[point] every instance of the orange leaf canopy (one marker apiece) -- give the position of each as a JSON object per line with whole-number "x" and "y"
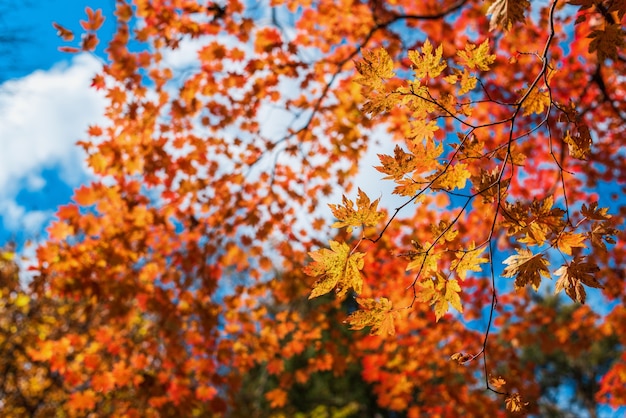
{"x": 187, "y": 265}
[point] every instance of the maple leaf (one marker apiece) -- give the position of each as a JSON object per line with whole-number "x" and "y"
{"x": 477, "y": 58}
{"x": 606, "y": 41}
{"x": 451, "y": 294}
{"x": 423, "y": 260}
{"x": 364, "y": 215}
{"x": 427, "y": 63}
{"x": 83, "y": 401}
{"x": 573, "y": 276}
{"x": 66, "y": 34}
{"x": 338, "y": 267}
{"x": 397, "y": 166}
{"x": 461, "y": 358}
{"x": 380, "y": 103}
{"x": 441, "y": 293}
{"x": 464, "y": 78}
{"x": 426, "y": 155}
{"x": 376, "y": 67}
{"x": 277, "y": 397}
{"x": 438, "y": 229}
{"x": 527, "y": 268}
{"x": 86, "y": 195}
{"x": 468, "y": 260}
{"x": 579, "y": 146}
{"x": 514, "y": 403}
{"x": 504, "y": 13}
{"x": 487, "y": 183}
{"x": 601, "y": 233}
{"x": 568, "y": 240}
{"x": 594, "y": 212}
{"x": 377, "y": 314}
{"x": 535, "y": 102}
{"x": 536, "y": 221}
{"x": 496, "y": 382}
{"x": 454, "y": 177}
{"x": 95, "y": 19}
{"x": 422, "y": 130}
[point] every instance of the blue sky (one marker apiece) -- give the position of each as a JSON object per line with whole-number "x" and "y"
{"x": 45, "y": 106}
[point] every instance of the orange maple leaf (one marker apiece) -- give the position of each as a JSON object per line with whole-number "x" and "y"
{"x": 277, "y": 397}
{"x": 64, "y": 33}
{"x": 83, "y": 401}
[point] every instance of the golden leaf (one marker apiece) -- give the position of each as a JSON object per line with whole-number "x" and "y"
{"x": 513, "y": 403}
{"x": 527, "y": 268}
{"x": 441, "y": 293}
{"x": 375, "y": 67}
{"x": 477, "y": 58}
{"x": 579, "y": 146}
{"x": 427, "y": 63}
{"x": 364, "y": 215}
{"x": 455, "y": 176}
{"x": 338, "y": 267}
{"x": 468, "y": 260}
{"x": 536, "y": 102}
{"x": 397, "y": 166}
{"x": 425, "y": 261}
{"x": 568, "y": 240}
{"x": 496, "y": 382}
{"x": 377, "y": 314}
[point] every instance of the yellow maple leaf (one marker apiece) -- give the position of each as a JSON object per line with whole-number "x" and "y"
{"x": 339, "y": 268}
{"x": 444, "y": 230}
{"x": 568, "y": 240}
{"x": 414, "y": 97}
{"x": 376, "y": 67}
{"x": 377, "y": 314}
{"x": 535, "y": 102}
{"x": 451, "y": 294}
{"x": 423, "y": 130}
{"x": 468, "y": 260}
{"x": 423, "y": 260}
{"x": 477, "y": 58}
{"x": 441, "y": 293}
{"x": 464, "y": 78}
{"x": 364, "y": 215}
{"x": 455, "y": 176}
{"x": 429, "y": 62}
{"x": 527, "y": 268}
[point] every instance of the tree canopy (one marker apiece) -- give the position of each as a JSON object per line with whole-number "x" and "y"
{"x": 202, "y": 272}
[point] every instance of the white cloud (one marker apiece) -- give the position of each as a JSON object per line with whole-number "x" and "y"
{"x": 42, "y": 116}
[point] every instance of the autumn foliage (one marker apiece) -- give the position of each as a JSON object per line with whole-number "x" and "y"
{"x": 226, "y": 260}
